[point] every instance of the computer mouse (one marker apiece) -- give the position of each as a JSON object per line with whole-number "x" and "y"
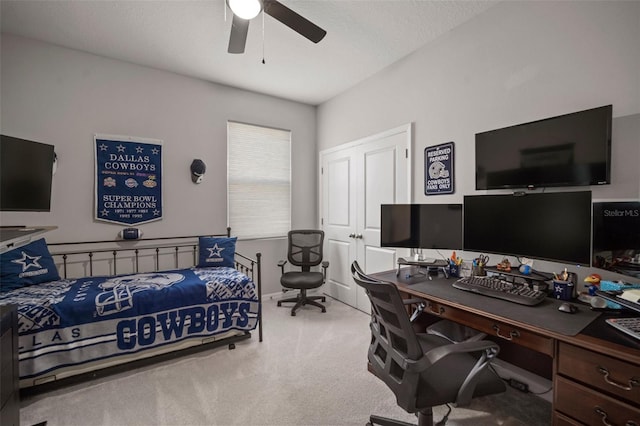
{"x": 568, "y": 308}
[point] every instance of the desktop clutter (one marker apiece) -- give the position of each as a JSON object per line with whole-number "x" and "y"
{"x": 522, "y": 284}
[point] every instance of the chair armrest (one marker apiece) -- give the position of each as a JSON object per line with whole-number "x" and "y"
{"x": 325, "y": 265}
{"x": 490, "y": 348}
{"x": 420, "y": 305}
{"x": 281, "y": 265}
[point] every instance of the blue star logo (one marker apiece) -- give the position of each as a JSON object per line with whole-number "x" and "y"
{"x": 121, "y": 148}
{"x": 156, "y": 212}
{"x": 28, "y": 261}
{"x": 139, "y": 150}
{"x": 103, "y": 147}
{"x": 104, "y": 212}
{"x": 215, "y": 251}
{"x": 155, "y": 151}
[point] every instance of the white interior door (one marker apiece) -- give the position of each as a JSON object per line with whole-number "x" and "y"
{"x": 356, "y": 179}
{"x": 339, "y": 221}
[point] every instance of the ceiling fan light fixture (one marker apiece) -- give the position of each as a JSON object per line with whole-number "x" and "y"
{"x": 245, "y": 9}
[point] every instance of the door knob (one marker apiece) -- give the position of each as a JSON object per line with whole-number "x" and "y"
{"x": 359, "y": 236}
{"x": 352, "y": 235}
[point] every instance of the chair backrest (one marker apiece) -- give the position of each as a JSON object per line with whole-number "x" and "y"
{"x": 305, "y": 248}
{"x": 393, "y": 339}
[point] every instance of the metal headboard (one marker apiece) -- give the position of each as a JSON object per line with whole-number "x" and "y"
{"x": 137, "y": 248}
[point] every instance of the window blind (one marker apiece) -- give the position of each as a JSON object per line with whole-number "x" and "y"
{"x": 258, "y": 180}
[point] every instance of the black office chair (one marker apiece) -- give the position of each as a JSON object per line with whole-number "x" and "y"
{"x": 422, "y": 370}
{"x": 305, "y": 251}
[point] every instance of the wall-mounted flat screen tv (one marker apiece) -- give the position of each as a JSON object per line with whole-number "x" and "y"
{"x": 567, "y": 150}
{"x": 616, "y": 237}
{"x": 427, "y": 226}
{"x": 25, "y": 175}
{"x": 552, "y": 226}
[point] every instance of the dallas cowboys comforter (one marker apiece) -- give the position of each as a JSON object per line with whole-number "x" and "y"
{"x": 72, "y": 322}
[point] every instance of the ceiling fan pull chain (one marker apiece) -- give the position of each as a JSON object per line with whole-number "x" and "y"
{"x": 263, "y": 37}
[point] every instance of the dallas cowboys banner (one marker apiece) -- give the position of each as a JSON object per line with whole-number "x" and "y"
{"x": 128, "y": 179}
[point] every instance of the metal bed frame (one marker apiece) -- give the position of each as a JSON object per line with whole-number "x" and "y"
{"x": 134, "y": 250}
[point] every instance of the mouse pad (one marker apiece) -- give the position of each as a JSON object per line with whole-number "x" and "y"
{"x": 545, "y": 315}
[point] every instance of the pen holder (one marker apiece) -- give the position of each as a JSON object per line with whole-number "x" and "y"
{"x": 454, "y": 270}
{"x": 478, "y": 271}
{"x": 563, "y": 290}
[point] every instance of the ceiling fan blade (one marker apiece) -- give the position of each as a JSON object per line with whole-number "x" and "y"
{"x": 294, "y": 21}
{"x": 238, "y": 37}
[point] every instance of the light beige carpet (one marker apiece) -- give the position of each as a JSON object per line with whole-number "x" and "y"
{"x": 309, "y": 370}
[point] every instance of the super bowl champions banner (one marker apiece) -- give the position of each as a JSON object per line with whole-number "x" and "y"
{"x": 128, "y": 179}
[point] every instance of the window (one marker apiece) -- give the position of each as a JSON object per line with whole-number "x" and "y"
{"x": 258, "y": 180}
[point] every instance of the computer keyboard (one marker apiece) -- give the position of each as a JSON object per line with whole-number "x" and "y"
{"x": 631, "y": 326}
{"x": 501, "y": 289}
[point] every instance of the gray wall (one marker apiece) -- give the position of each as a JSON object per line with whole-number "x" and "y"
{"x": 63, "y": 97}
{"x": 517, "y": 62}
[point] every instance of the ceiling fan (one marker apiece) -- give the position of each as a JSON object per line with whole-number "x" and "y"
{"x": 245, "y": 10}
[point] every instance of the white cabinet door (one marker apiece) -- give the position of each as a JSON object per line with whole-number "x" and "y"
{"x": 356, "y": 179}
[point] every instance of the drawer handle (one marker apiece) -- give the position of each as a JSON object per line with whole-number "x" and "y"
{"x": 604, "y": 416}
{"x": 605, "y": 421}
{"x": 632, "y": 382}
{"x": 511, "y": 336}
{"x": 439, "y": 311}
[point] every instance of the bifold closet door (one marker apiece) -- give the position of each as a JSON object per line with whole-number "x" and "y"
{"x": 356, "y": 180}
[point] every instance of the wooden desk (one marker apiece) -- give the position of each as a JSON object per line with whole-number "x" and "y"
{"x": 596, "y": 373}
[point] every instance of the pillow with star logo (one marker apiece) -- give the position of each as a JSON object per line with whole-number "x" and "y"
{"x": 27, "y": 265}
{"x": 216, "y": 251}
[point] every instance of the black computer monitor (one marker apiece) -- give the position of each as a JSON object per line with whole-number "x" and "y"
{"x": 553, "y": 226}
{"x": 400, "y": 225}
{"x": 616, "y": 237}
{"x": 440, "y": 226}
{"x": 428, "y": 226}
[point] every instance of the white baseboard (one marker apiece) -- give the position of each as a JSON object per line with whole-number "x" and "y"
{"x": 537, "y": 385}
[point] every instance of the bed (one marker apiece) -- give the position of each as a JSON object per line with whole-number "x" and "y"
{"x": 135, "y": 301}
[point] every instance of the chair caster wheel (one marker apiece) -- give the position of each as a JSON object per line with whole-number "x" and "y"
{"x": 324, "y": 310}
{"x": 293, "y": 314}
{"x": 279, "y": 303}
{"x": 324, "y": 299}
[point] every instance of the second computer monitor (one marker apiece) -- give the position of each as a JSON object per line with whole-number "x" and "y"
{"x": 441, "y": 226}
{"x": 552, "y": 226}
{"x": 429, "y": 226}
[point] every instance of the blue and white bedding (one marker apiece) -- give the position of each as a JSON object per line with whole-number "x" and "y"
{"x": 72, "y": 322}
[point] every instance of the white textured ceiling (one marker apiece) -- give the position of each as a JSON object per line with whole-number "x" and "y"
{"x": 191, "y": 38}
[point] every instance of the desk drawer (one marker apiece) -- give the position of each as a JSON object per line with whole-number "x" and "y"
{"x": 591, "y": 407}
{"x": 561, "y": 420}
{"x": 516, "y": 335}
{"x": 603, "y": 372}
